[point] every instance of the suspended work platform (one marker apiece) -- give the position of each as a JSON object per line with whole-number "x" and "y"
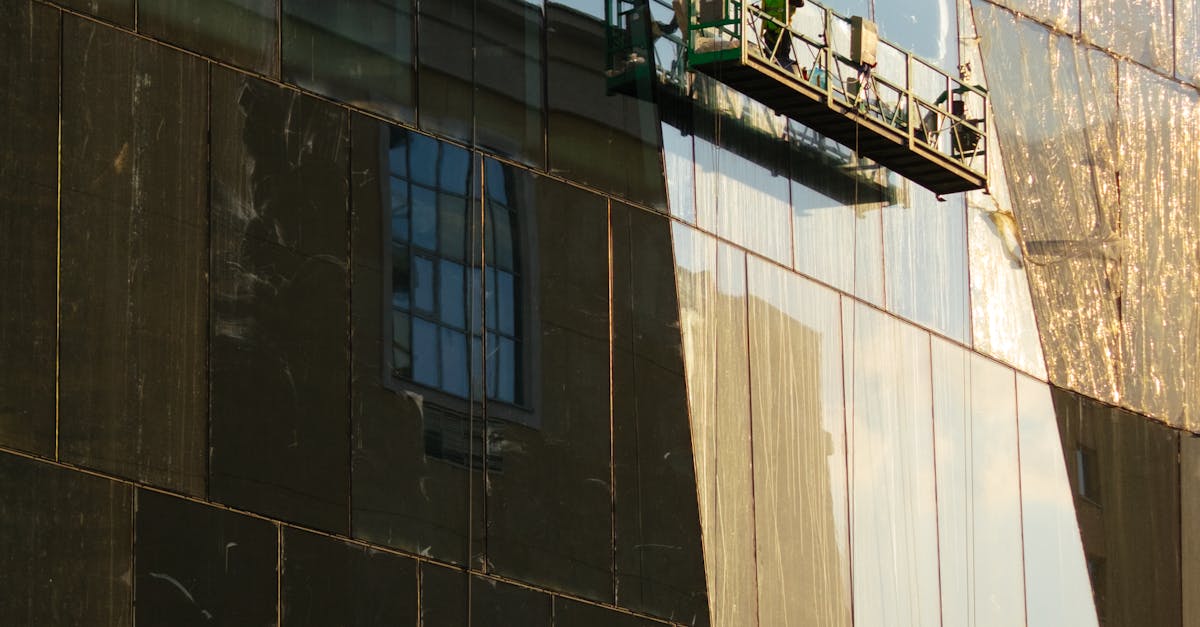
{"x": 829, "y": 73}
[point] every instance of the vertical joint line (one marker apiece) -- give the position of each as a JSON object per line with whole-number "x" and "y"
{"x": 208, "y": 201}
{"x": 278, "y": 574}
{"x": 612, "y": 456}
{"x": 749, "y": 407}
{"x": 479, "y": 161}
{"x": 1020, "y": 493}
{"x": 58, "y": 243}
{"x": 134, "y": 492}
{"x": 847, "y": 443}
{"x": 278, "y": 41}
{"x": 414, "y": 50}
{"x": 1174, "y": 39}
{"x": 544, "y": 83}
{"x": 349, "y": 235}
{"x": 420, "y": 584}
{"x": 937, "y": 523}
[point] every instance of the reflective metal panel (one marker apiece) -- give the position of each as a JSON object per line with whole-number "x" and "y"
{"x": 1124, "y": 472}
{"x": 1108, "y": 284}
{"x": 1160, "y": 186}
{"x": 738, "y": 196}
{"x": 446, "y": 67}
{"x": 979, "y": 489}
{"x": 445, "y": 595}
{"x": 995, "y": 512}
{"x": 569, "y": 613}
{"x": 893, "y": 511}
{"x": 1189, "y": 498}
{"x": 1138, "y": 29}
{"x": 357, "y": 52}
{"x": 134, "y": 237}
{"x": 496, "y": 604}
{"x": 713, "y": 312}
{"x": 850, "y": 7}
{"x": 925, "y": 260}
{"x": 241, "y": 32}
{"x": 837, "y": 240}
{"x": 1061, "y": 14}
{"x": 1002, "y": 312}
{"x": 67, "y": 546}
{"x": 660, "y": 567}
{"x": 324, "y": 581}
{"x": 30, "y": 51}
{"x": 197, "y": 564}
{"x": 555, "y": 443}
{"x": 407, "y": 442}
{"x": 1187, "y": 41}
{"x": 609, "y": 141}
{"x": 116, "y": 11}
{"x": 953, "y": 449}
{"x": 510, "y": 76}
{"x": 279, "y": 437}
{"x": 481, "y": 74}
{"x": 798, "y": 436}
{"x": 1057, "y": 589}
{"x": 1060, "y": 153}
{"x": 680, "y": 167}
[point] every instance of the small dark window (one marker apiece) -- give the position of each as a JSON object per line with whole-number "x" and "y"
{"x": 1087, "y": 474}
{"x": 454, "y": 437}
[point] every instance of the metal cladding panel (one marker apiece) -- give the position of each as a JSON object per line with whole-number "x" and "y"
{"x": 1104, "y": 178}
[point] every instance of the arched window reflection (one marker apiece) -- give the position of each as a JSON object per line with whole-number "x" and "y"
{"x": 504, "y": 280}
{"x": 456, "y": 285}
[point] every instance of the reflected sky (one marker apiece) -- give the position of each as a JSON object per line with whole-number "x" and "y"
{"x": 925, "y": 260}
{"x": 893, "y": 502}
{"x": 925, "y": 27}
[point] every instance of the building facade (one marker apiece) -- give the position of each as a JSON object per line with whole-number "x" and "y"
{"x": 387, "y": 312}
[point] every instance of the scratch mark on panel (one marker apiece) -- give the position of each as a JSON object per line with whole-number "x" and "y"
{"x": 175, "y": 582}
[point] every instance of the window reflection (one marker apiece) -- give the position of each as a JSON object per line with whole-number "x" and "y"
{"x": 455, "y": 324}
{"x": 502, "y": 258}
{"x": 1087, "y": 474}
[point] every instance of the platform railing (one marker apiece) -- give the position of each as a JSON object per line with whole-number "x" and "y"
{"x": 932, "y": 109}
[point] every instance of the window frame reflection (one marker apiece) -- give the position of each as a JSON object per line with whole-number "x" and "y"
{"x": 444, "y": 270}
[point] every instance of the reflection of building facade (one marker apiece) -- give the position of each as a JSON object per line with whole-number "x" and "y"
{"x": 385, "y": 312}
